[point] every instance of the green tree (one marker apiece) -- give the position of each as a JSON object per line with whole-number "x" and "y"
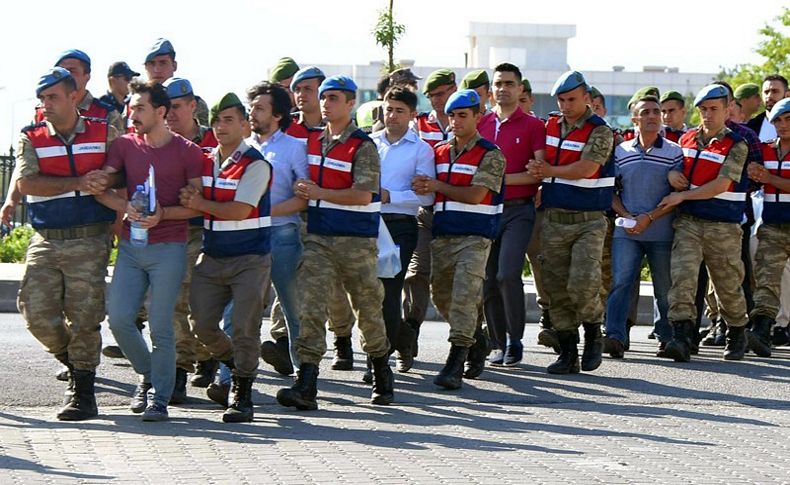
{"x": 387, "y": 33}
{"x": 775, "y": 50}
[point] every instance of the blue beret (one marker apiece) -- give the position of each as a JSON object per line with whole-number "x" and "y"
{"x": 711, "y": 91}
{"x": 160, "y": 47}
{"x": 568, "y": 81}
{"x": 74, "y": 54}
{"x": 779, "y": 109}
{"x": 51, "y": 78}
{"x": 465, "y": 98}
{"x": 177, "y": 87}
{"x": 306, "y": 73}
{"x": 340, "y": 83}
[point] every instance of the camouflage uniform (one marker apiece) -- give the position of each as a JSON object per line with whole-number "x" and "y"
{"x": 62, "y": 292}
{"x": 718, "y": 244}
{"x": 458, "y": 263}
{"x": 572, "y": 247}
{"x": 349, "y": 261}
{"x": 773, "y": 250}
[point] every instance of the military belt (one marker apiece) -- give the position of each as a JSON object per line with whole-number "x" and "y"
{"x": 518, "y": 202}
{"x": 573, "y": 217}
{"x": 75, "y": 232}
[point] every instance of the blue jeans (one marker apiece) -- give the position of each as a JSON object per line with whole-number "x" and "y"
{"x": 160, "y": 266}
{"x": 286, "y": 256}
{"x": 627, "y": 257}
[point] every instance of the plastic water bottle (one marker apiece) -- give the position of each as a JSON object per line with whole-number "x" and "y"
{"x": 138, "y": 236}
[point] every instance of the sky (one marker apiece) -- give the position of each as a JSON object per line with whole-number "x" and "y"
{"x": 229, "y": 45}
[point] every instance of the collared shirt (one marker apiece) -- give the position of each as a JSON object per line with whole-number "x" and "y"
{"x": 288, "y": 156}
{"x": 400, "y": 162}
{"x": 598, "y": 148}
{"x": 644, "y": 178}
{"x": 767, "y": 130}
{"x": 253, "y": 183}
{"x": 367, "y": 166}
{"x": 519, "y": 136}
{"x": 491, "y": 170}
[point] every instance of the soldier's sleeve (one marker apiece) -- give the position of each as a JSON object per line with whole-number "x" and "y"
{"x": 490, "y": 171}
{"x": 112, "y": 135}
{"x": 201, "y": 112}
{"x": 253, "y": 183}
{"x": 367, "y": 168}
{"x": 599, "y": 146}
{"x": 732, "y": 167}
{"x": 115, "y": 120}
{"x": 26, "y": 159}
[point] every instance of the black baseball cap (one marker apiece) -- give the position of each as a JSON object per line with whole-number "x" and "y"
{"x": 121, "y": 68}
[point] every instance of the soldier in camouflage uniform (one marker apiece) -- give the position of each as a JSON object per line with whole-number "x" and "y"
{"x": 708, "y": 226}
{"x": 773, "y": 247}
{"x": 342, "y": 226}
{"x": 62, "y": 293}
{"x": 469, "y": 188}
{"x": 577, "y": 188}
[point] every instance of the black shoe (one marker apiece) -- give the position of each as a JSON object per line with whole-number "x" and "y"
{"x": 344, "y": 354}
{"x": 716, "y": 334}
{"x": 140, "y": 397}
{"x": 113, "y": 352}
{"x": 63, "y": 374}
{"x": 513, "y": 354}
{"x": 367, "y": 377}
{"x": 759, "y": 336}
{"x": 155, "y": 412}
{"x": 476, "y": 357}
{"x": 451, "y": 375}
{"x": 383, "y": 381}
{"x": 592, "y": 356}
{"x": 302, "y": 394}
{"x": 179, "y": 395}
{"x": 204, "y": 374}
{"x": 568, "y": 360}
{"x": 662, "y": 350}
{"x": 547, "y": 336}
{"x": 679, "y": 348}
{"x": 404, "y": 350}
{"x": 781, "y": 336}
{"x": 241, "y": 409}
{"x": 736, "y": 343}
{"x": 218, "y": 393}
{"x": 651, "y": 336}
{"x": 82, "y": 404}
{"x": 614, "y": 348}
{"x": 278, "y": 355}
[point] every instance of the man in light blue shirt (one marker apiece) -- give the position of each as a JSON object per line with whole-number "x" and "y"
{"x": 403, "y": 155}
{"x": 270, "y": 109}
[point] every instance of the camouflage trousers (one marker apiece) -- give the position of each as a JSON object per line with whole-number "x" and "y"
{"x": 773, "y": 249}
{"x": 188, "y": 348}
{"x": 351, "y": 262}
{"x": 62, "y": 296}
{"x": 458, "y": 271}
{"x": 533, "y": 255}
{"x": 571, "y": 264}
{"x": 719, "y": 245}
{"x": 606, "y": 261}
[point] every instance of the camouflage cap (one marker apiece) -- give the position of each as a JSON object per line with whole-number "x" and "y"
{"x": 475, "y": 79}
{"x": 283, "y": 69}
{"x": 439, "y": 77}
{"x": 641, "y": 93}
{"x": 746, "y": 91}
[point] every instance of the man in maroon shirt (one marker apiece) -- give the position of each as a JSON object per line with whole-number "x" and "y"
{"x": 521, "y": 137}
{"x": 161, "y": 262}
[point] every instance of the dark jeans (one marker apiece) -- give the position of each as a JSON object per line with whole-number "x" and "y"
{"x": 404, "y": 233}
{"x": 503, "y": 292}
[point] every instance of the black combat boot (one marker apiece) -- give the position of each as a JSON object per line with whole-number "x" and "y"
{"x": 179, "y": 395}
{"x": 736, "y": 345}
{"x": 204, "y": 374}
{"x": 218, "y": 393}
{"x": 64, "y": 359}
{"x": 82, "y": 404}
{"x": 241, "y": 409}
{"x": 760, "y": 336}
{"x": 547, "y": 336}
{"x": 404, "y": 355}
{"x": 278, "y": 355}
{"x": 679, "y": 348}
{"x": 302, "y": 394}
{"x": 344, "y": 354}
{"x": 383, "y": 381}
{"x": 716, "y": 334}
{"x": 367, "y": 377}
{"x": 592, "y": 356}
{"x": 451, "y": 375}
{"x": 568, "y": 361}
{"x": 476, "y": 357}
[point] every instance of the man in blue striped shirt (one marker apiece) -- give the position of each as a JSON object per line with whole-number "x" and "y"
{"x": 642, "y": 165}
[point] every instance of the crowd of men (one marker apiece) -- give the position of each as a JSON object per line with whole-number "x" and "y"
{"x": 283, "y": 189}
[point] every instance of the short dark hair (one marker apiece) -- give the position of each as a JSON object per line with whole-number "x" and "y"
{"x": 281, "y": 101}
{"x": 382, "y": 86}
{"x": 648, "y": 98}
{"x": 508, "y": 67}
{"x": 156, "y": 92}
{"x": 777, "y": 77}
{"x": 402, "y": 94}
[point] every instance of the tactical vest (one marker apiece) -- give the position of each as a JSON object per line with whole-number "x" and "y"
{"x": 98, "y": 109}
{"x": 593, "y": 193}
{"x": 300, "y": 130}
{"x": 429, "y": 130}
{"x": 87, "y": 152}
{"x": 776, "y": 204}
